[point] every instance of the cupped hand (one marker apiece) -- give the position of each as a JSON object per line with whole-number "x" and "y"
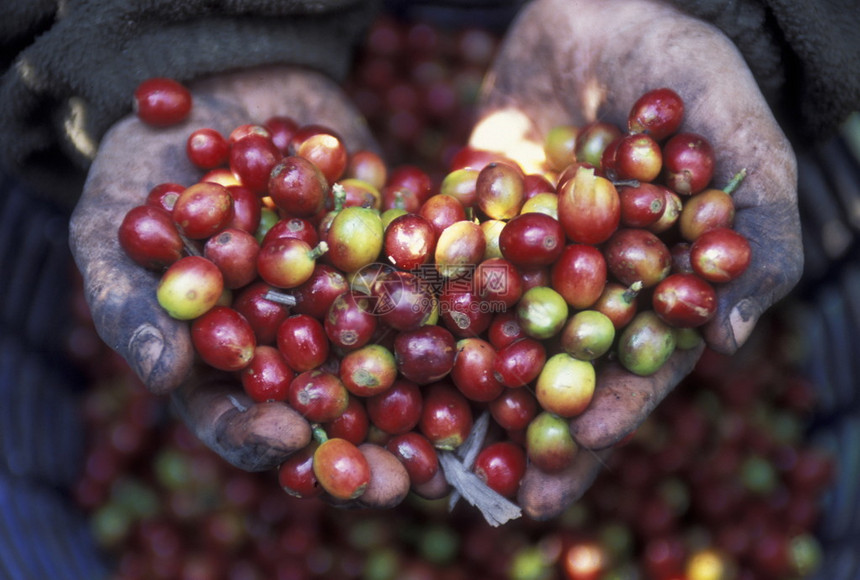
{"x": 131, "y": 159}
{"x": 566, "y": 62}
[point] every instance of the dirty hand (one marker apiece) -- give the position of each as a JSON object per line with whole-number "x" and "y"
{"x": 566, "y": 62}
{"x": 133, "y": 158}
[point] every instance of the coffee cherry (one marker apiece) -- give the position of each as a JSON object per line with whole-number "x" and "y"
{"x": 267, "y": 377}
{"x": 235, "y": 253}
{"x": 162, "y": 102}
{"x": 579, "y": 275}
{"x": 642, "y": 205}
{"x": 461, "y": 184}
{"x": 318, "y": 395}
{"x": 446, "y": 417}
{"x": 297, "y": 187}
{"x": 587, "y": 335}
{"x": 559, "y": 145}
{"x": 684, "y": 300}
{"x": 501, "y": 465}
{"x": 706, "y": 210}
{"x": 417, "y": 455}
{"x": 303, "y": 342}
{"x": 472, "y": 372}
{"x": 368, "y": 167}
{"x": 247, "y": 209}
{"x": 514, "y": 409}
{"x": 190, "y": 287}
{"x": 688, "y": 160}
{"x": 352, "y": 425}
{"x": 341, "y": 469}
{"x": 498, "y": 283}
{"x": 296, "y": 474}
{"x": 426, "y": 354}
{"x": 565, "y": 385}
{"x": 519, "y": 363}
{"x": 206, "y": 148}
{"x": 315, "y": 296}
{"x": 638, "y": 156}
{"x": 589, "y": 208}
{"x": 148, "y": 236}
{"x": 355, "y": 238}
{"x": 464, "y": 312}
{"x": 252, "y": 159}
{"x": 645, "y": 344}
{"x": 549, "y": 444}
{"x": 500, "y": 190}
{"x": 658, "y": 112}
{"x": 323, "y": 147}
{"x": 592, "y": 140}
{"x": 541, "y": 312}
{"x": 281, "y": 129}
{"x": 410, "y": 241}
{"x": 397, "y": 409}
{"x": 459, "y": 247}
{"x": 532, "y": 240}
{"x": 203, "y": 209}
{"x": 618, "y": 302}
{"x": 368, "y": 370}
{"x": 636, "y": 255}
{"x": 264, "y": 315}
{"x": 720, "y": 255}
{"x": 441, "y": 211}
{"x": 350, "y": 321}
{"x": 288, "y": 262}
{"x": 223, "y": 339}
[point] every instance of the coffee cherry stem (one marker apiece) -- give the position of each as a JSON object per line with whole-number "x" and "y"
{"x": 735, "y": 181}
{"x": 339, "y": 194}
{"x": 625, "y": 182}
{"x": 190, "y": 248}
{"x": 318, "y": 250}
{"x": 281, "y": 298}
{"x": 318, "y": 433}
{"x": 632, "y": 291}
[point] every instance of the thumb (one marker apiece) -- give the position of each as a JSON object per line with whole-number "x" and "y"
{"x": 776, "y": 264}
{"x": 123, "y": 303}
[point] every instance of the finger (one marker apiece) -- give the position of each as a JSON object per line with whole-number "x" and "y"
{"x": 436, "y": 487}
{"x": 305, "y": 95}
{"x": 389, "y": 481}
{"x": 622, "y": 400}
{"x": 251, "y": 436}
{"x": 545, "y": 495}
{"x": 121, "y": 294}
{"x": 776, "y": 265}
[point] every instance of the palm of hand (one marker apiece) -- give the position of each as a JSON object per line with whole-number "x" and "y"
{"x": 565, "y": 66}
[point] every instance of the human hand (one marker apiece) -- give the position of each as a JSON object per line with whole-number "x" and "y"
{"x": 569, "y": 62}
{"x": 132, "y": 158}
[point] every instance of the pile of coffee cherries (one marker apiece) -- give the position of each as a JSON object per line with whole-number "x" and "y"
{"x": 721, "y": 481}
{"x": 384, "y": 307}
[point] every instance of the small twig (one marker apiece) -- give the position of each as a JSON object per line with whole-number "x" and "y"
{"x": 626, "y": 182}
{"x": 735, "y": 181}
{"x": 190, "y": 247}
{"x": 281, "y": 298}
{"x": 457, "y": 466}
{"x": 495, "y": 508}
{"x": 468, "y": 451}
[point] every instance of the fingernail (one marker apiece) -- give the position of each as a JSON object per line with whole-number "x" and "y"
{"x": 145, "y": 348}
{"x": 743, "y": 319}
